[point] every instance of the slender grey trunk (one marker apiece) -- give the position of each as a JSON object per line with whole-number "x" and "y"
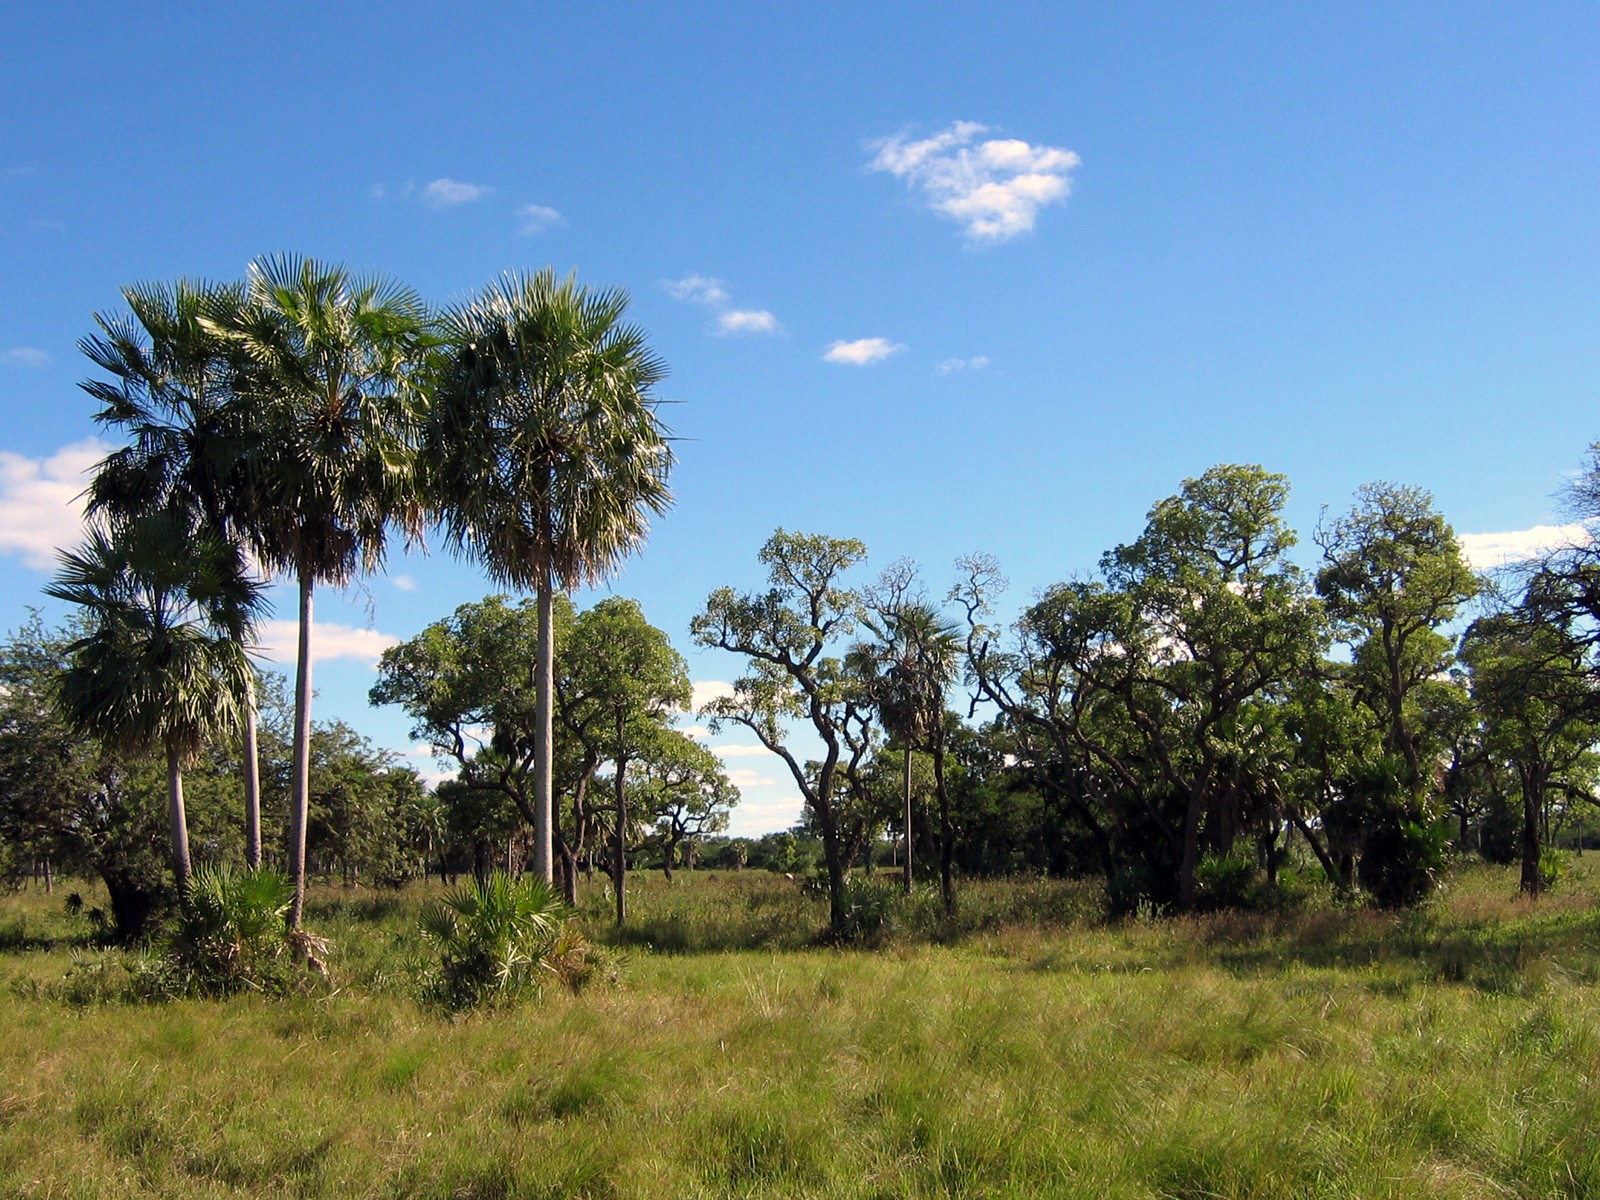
{"x": 179, "y": 821}
{"x": 622, "y": 835}
{"x": 947, "y": 831}
{"x": 300, "y": 778}
{"x": 252, "y": 778}
{"x": 906, "y": 773}
{"x": 543, "y": 733}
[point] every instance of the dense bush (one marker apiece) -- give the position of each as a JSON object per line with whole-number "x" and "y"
{"x": 499, "y": 940}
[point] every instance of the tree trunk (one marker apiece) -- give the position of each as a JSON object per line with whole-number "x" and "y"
{"x": 1190, "y": 861}
{"x": 622, "y": 836}
{"x": 252, "y": 778}
{"x": 178, "y": 819}
{"x": 300, "y": 775}
{"x": 569, "y": 872}
{"x": 133, "y": 905}
{"x": 1532, "y": 803}
{"x": 544, "y": 733}
{"x": 947, "y": 832}
{"x": 906, "y": 778}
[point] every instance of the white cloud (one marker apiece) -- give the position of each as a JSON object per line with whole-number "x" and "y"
{"x": 19, "y": 172}
{"x": 713, "y": 293}
{"x": 744, "y": 778}
{"x": 739, "y": 751}
{"x": 697, "y": 289}
{"x": 24, "y": 356}
{"x": 279, "y": 642}
{"x": 862, "y": 352}
{"x": 698, "y": 732}
{"x": 404, "y": 582}
{"x": 378, "y": 191}
{"x": 946, "y": 366}
{"x": 747, "y": 321}
{"x": 703, "y": 691}
{"x": 41, "y": 500}
{"x": 994, "y": 189}
{"x": 536, "y": 218}
{"x": 443, "y": 193}
{"x": 1486, "y": 551}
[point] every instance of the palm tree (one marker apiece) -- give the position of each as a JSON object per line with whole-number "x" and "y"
{"x": 174, "y": 393}
{"x": 163, "y": 665}
{"x": 329, "y": 361}
{"x": 907, "y": 672}
{"x": 546, "y": 456}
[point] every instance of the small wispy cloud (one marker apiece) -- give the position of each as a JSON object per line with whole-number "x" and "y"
{"x": 950, "y": 365}
{"x": 19, "y": 172}
{"x": 713, "y": 293}
{"x": 747, "y": 321}
{"x": 24, "y": 356}
{"x": 743, "y": 778}
{"x": 447, "y": 192}
{"x": 740, "y": 751}
{"x": 41, "y": 500}
{"x": 862, "y": 352}
{"x": 403, "y": 582}
{"x": 278, "y": 641}
{"x": 697, "y": 289}
{"x": 993, "y": 188}
{"x": 1486, "y": 551}
{"x": 536, "y": 218}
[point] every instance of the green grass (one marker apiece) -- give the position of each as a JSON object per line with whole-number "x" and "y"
{"x": 1029, "y": 1049}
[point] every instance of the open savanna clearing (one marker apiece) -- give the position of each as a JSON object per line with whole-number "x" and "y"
{"x": 1034, "y": 1051}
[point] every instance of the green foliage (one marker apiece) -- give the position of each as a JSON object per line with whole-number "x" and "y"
{"x": 498, "y": 941}
{"x": 230, "y": 934}
{"x": 872, "y": 910}
{"x": 1404, "y": 860}
{"x": 1552, "y": 868}
{"x": 1227, "y": 881}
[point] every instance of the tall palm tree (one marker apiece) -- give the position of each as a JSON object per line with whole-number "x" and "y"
{"x": 330, "y": 357}
{"x": 907, "y": 672}
{"x": 545, "y": 454}
{"x": 173, "y": 392}
{"x": 163, "y": 665}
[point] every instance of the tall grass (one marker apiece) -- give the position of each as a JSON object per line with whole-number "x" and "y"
{"x": 1035, "y": 1051}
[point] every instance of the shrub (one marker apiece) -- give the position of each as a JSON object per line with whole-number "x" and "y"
{"x": 1402, "y": 861}
{"x": 1227, "y": 881}
{"x": 1552, "y": 866}
{"x": 872, "y": 910}
{"x": 231, "y": 934}
{"x": 497, "y": 941}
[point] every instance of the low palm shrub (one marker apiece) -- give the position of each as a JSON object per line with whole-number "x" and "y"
{"x": 231, "y": 935}
{"x": 499, "y": 940}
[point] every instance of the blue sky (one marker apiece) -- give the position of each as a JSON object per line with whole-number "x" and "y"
{"x": 945, "y": 278}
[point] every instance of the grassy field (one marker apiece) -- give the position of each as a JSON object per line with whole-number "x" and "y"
{"x": 1033, "y": 1050}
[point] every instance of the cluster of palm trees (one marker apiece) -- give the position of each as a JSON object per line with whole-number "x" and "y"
{"x": 287, "y": 426}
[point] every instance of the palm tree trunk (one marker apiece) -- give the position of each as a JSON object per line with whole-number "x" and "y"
{"x": 947, "y": 832}
{"x": 906, "y": 773}
{"x": 300, "y": 778}
{"x": 544, "y": 732}
{"x": 622, "y": 836}
{"x": 252, "y": 779}
{"x": 179, "y": 821}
